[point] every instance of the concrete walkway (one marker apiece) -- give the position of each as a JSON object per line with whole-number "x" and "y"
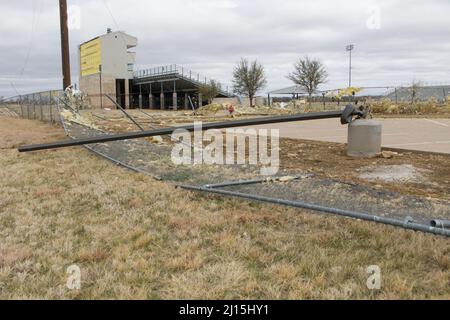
{"x": 415, "y": 134}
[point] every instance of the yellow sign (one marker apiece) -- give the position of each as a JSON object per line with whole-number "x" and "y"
{"x": 348, "y": 92}
{"x": 90, "y": 57}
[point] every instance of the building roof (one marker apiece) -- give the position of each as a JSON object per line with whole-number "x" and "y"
{"x": 423, "y": 93}
{"x": 290, "y": 90}
{"x": 130, "y": 40}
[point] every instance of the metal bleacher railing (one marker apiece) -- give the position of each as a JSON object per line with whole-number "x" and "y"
{"x": 175, "y": 70}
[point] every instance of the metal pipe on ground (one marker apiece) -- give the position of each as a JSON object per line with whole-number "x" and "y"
{"x": 336, "y": 211}
{"x": 98, "y": 153}
{"x": 132, "y": 119}
{"x": 66, "y": 104}
{"x": 189, "y": 128}
{"x": 99, "y": 117}
{"x": 437, "y": 223}
{"x": 125, "y": 113}
{"x": 148, "y": 115}
{"x": 105, "y": 156}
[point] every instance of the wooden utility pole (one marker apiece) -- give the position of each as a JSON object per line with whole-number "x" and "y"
{"x": 64, "y": 44}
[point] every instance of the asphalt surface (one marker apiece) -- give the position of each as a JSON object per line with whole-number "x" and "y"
{"x": 431, "y": 135}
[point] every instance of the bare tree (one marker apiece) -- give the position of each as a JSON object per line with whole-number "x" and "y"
{"x": 248, "y": 79}
{"x": 210, "y": 90}
{"x": 308, "y": 74}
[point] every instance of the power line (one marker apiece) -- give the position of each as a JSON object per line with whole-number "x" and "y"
{"x": 34, "y": 24}
{"x": 110, "y": 13}
{"x": 14, "y": 87}
{"x": 114, "y": 20}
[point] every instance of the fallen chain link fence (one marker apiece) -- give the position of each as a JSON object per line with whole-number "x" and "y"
{"x": 245, "y": 181}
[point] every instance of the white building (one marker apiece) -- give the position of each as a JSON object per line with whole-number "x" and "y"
{"x": 106, "y": 68}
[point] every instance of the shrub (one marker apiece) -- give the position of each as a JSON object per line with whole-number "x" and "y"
{"x": 430, "y": 106}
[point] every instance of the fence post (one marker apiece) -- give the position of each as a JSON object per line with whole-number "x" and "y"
{"x": 50, "y": 114}
{"x": 42, "y": 114}
{"x": 28, "y": 111}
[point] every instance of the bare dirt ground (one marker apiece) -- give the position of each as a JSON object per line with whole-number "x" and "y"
{"x": 330, "y": 160}
{"x": 134, "y": 237}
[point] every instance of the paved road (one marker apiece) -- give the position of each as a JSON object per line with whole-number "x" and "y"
{"x": 415, "y": 134}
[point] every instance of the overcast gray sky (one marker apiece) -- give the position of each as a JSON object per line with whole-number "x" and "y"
{"x": 396, "y": 41}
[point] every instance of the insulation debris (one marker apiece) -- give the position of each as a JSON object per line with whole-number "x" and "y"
{"x": 77, "y": 118}
{"x": 287, "y": 178}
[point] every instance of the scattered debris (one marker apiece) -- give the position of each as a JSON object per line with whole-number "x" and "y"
{"x": 230, "y": 110}
{"x": 77, "y": 118}
{"x": 287, "y": 178}
{"x": 213, "y": 108}
{"x": 389, "y": 154}
{"x": 157, "y": 139}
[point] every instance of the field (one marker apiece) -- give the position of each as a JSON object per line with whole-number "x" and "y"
{"x": 134, "y": 237}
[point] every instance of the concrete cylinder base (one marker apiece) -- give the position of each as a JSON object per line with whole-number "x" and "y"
{"x": 364, "y": 138}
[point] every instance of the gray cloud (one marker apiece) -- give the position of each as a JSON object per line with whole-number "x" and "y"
{"x": 210, "y": 36}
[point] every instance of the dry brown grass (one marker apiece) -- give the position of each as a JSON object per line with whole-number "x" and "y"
{"x": 134, "y": 237}
{"x": 430, "y": 107}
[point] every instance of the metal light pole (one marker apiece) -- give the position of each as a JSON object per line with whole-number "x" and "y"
{"x": 350, "y": 48}
{"x": 64, "y": 44}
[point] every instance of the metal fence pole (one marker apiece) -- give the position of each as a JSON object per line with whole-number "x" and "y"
{"x": 50, "y": 114}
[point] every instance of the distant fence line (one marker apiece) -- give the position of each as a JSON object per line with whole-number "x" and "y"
{"x": 405, "y": 93}
{"x": 440, "y": 93}
{"x": 392, "y": 93}
{"x": 42, "y": 105}
{"x": 35, "y": 97}
{"x": 34, "y": 106}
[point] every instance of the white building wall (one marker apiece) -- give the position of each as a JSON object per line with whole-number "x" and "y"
{"x": 115, "y": 55}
